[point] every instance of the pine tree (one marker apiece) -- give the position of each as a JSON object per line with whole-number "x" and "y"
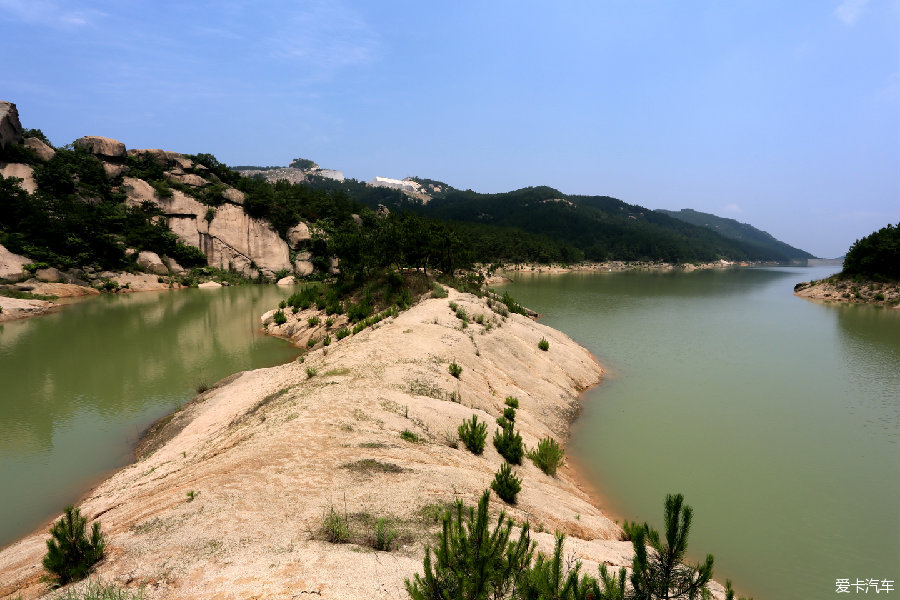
{"x": 471, "y": 562}
{"x": 70, "y": 554}
{"x": 660, "y": 573}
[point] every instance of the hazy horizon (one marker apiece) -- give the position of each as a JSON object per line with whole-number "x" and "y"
{"x": 783, "y": 116}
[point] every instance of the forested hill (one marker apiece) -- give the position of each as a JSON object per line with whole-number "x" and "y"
{"x": 738, "y": 231}
{"x": 578, "y": 227}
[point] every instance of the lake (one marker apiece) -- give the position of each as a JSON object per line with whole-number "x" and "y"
{"x": 80, "y": 386}
{"x": 778, "y": 418}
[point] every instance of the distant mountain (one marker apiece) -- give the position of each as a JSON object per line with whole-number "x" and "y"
{"x": 742, "y": 232}
{"x": 591, "y": 227}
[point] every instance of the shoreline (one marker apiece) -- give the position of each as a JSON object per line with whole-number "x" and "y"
{"x": 850, "y": 291}
{"x": 98, "y": 503}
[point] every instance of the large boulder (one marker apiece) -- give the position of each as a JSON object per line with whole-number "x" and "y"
{"x": 303, "y": 267}
{"x": 43, "y": 151}
{"x": 10, "y": 127}
{"x": 50, "y": 275}
{"x": 289, "y": 280}
{"x": 23, "y": 172}
{"x": 101, "y": 146}
{"x": 298, "y": 234}
{"x": 151, "y": 262}
{"x": 189, "y": 179}
{"x": 234, "y": 196}
{"x": 12, "y": 266}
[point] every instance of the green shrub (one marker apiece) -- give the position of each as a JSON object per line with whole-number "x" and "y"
{"x": 453, "y": 306}
{"x": 512, "y": 401}
{"x": 384, "y": 535}
{"x": 548, "y": 456}
{"x": 506, "y": 484}
{"x": 311, "y": 372}
{"x": 455, "y": 369}
{"x": 326, "y": 341}
{"x": 283, "y": 304}
{"x": 473, "y": 434}
{"x": 510, "y": 413}
{"x": 70, "y": 554}
{"x": 311, "y": 342}
{"x": 462, "y": 315}
{"x": 879, "y": 297}
{"x": 503, "y": 422}
{"x": 544, "y": 344}
{"x": 409, "y": 436}
{"x": 335, "y": 528}
{"x": 312, "y": 321}
{"x": 479, "y": 318}
{"x": 509, "y": 444}
{"x": 279, "y": 318}
{"x": 329, "y": 322}
{"x": 342, "y": 333}
{"x": 511, "y": 304}
{"x": 470, "y": 561}
{"x": 438, "y": 291}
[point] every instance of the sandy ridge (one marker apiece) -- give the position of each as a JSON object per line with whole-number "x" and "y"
{"x": 265, "y": 455}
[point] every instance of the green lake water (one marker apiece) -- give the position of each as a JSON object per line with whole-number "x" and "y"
{"x": 778, "y": 418}
{"x": 78, "y": 387}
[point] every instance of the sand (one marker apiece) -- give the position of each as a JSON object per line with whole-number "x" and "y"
{"x": 227, "y": 497}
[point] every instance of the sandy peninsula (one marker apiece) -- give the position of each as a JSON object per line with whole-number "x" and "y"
{"x": 227, "y": 497}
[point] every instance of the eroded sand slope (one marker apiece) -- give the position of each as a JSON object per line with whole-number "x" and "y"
{"x": 268, "y": 451}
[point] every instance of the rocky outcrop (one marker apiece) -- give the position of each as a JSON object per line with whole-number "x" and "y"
{"x": 164, "y": 157}
{"x": 275, "y": 175}
{"x": 21, "y": 171}
{"x": 231, "y": 240}
{"x": 49, "y": 275}
{"x": 298, "y": 234}
{"x": 12, "y": 266}
{"x": 151, "y": 261}
{"x": 10, "y": 127}
{"x": 43, "y": 151}
{"x": 104, "y": 148}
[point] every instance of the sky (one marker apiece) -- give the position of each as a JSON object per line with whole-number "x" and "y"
{"x": 784, "y": 115}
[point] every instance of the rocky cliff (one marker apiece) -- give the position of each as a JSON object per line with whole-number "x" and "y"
{"x": 221, "y": 229}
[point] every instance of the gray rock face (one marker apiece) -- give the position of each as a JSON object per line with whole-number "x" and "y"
{"x": 43, "y": 151}
{"x": 101, "y": 146}
{"x": 10, "y": 127}
{"x": 232, "y": 240}
{"x": 12, "y": 265}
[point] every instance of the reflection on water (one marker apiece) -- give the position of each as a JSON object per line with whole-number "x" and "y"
{"x": 80, "y": 385}
{"x": 777, "y": 417}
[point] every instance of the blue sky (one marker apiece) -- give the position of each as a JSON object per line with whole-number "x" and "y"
{"x": 785, "y": 115}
